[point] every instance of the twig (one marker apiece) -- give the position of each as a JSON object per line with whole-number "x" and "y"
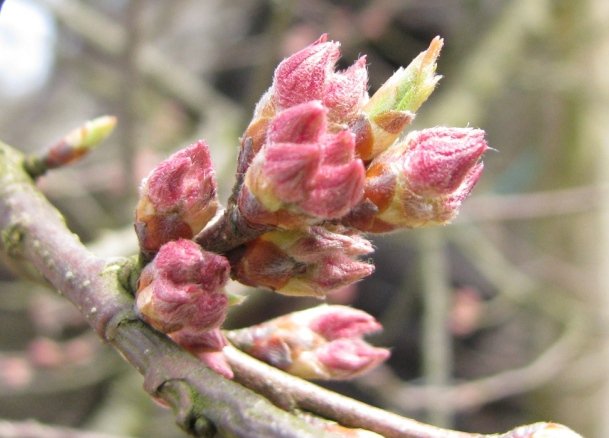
{"x": 291, "y": 392}
{"x": 231, "y": 229}
{"x": 524, "y": 206}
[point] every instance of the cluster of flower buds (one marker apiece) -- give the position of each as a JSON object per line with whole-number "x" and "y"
{"x": 323, "y": 149}
{"x": 181, "y": 293}
{"x": 321, "y": 163}
{"x": 308, "y": 262}
{"x": 177, "y": 199}
{"x": 323, "y": 342}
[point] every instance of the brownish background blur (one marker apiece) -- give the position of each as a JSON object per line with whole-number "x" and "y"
{"x": 497, "y": 320}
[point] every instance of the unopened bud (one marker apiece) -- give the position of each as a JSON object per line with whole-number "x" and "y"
{"x": 421, "y": 180}
{"x": 303, "y": 173}
{"x": 309, "y": 75}
{"x": 177, "y": 199}
{"x": 323, "y": 342}
{"x": 391, "y": 109}
{"x": 309, "y": 263}
{"x": 182, "y": 289}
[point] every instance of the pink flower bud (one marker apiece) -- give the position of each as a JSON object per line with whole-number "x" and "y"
{"x": 310, "y": 263}
{"x": 347, "y": 358}
{"x": 335, "y": 322}
{"x": 345, "y": 92}
{"x": 542, "y": 430}
{"x": 181, "y": 289}
{"x": 439, "y": 158}
{"x": 421, "y": 181}
{"x": 301, "y": 77}
{"x": 177, "y": 199}
{"x": 309, "y": 75}
{"x": 302, "y": 171}
{"x": 323, "y": 342}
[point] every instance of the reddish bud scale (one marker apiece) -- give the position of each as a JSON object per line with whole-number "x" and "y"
{"x": 265, "y": 264}
{"x": 394, "y": 105}
{"x": 375, "y": 134}
{"x": 310, "y": 263}
{"x": 63, "y": 153}
{"x": 323, "y": 342}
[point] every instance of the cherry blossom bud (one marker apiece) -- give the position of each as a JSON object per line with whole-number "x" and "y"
{"x": 309, "y": 75}
{"x": 177, "y": 199}
{"x": 303, "y": 174}
{"x": 421, "y": 181}
{"x": 310, "y": 263}
{"x": 182, "y": 289}
{"x": 306, "y": 76}
{"x": 391, "y": 109}
{"x": 323, "y": 342}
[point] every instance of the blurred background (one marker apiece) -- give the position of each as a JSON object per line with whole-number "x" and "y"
{"x": 494, "y": 321}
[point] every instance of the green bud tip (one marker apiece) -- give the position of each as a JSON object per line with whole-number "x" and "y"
{"x": 91, "y": 133}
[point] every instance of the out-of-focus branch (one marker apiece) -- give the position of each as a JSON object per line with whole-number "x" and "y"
{"x": 470, "y": 395}
{"x": 525, "y": 206}
{"x": 436, "y": 340}
{"x": 110, "y": 38}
